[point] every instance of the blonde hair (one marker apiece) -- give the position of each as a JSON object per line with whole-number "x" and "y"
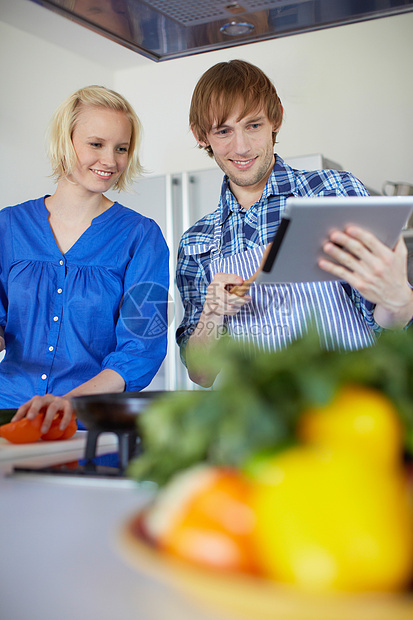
{"x": 61, "y": 152}
{"x": 221, "y": 87}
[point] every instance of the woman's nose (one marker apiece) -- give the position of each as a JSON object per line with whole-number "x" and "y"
{"x": 107, "y": 157}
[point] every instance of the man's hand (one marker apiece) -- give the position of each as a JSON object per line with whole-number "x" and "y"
{"x": 219, "y": 301}
{"x": 376, "y": 271}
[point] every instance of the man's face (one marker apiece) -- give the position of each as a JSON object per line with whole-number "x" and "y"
{"x": 243, "y": 149}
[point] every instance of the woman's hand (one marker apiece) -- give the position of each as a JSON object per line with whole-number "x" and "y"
{"x": 49, "y": 405}
{"x": 106, "y": 381}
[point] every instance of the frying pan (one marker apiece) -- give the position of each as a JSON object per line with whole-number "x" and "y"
{"x": 112, "y": 411}
{"x": 115, "y": 413}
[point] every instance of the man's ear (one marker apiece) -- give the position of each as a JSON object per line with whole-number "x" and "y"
{"x": 200, "y": 142}
{"x": 277, "y": 127}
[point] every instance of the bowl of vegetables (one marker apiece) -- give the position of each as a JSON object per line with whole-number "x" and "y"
{"x": 287, "y": 491}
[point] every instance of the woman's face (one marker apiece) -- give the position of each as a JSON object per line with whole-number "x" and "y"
{"x": 101, "y": 140}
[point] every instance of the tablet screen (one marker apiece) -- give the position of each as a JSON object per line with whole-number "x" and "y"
{"x": 307, "y": 223}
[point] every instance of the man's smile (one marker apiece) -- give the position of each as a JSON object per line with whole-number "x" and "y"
{"x": 243, "y": 163}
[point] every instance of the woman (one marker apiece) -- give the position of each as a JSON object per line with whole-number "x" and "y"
{"x": 67, "y": 261}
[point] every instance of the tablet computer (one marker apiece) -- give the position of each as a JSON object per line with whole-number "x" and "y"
{"x": 307, "y": 222}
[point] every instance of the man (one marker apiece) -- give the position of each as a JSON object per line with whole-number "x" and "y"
{"x": 235, "y": 116}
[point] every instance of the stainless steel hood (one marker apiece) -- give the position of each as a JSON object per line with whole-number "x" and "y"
{"x": 166, "y": 29}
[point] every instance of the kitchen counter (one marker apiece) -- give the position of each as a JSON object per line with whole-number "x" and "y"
{"x": 59, "y": 557}
{"x": 58, "y": 549}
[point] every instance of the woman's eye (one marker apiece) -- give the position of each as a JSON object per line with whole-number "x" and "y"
{"x": 123, "y": 149}
{"x": 95, "y": 144}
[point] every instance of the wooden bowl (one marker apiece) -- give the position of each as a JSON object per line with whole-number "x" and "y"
{"x": 244, "y": 597}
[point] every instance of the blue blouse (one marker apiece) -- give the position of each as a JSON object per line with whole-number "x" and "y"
{"x": 66, "y": 317}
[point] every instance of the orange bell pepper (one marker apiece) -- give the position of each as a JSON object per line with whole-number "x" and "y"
{"x": 23, "y": 431}
{"x": 29, "y": 431}
{"x": 70, "y": 429}
{"x": 55, "y": 433}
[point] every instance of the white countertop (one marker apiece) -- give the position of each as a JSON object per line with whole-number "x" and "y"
{"x": 58, "y": 550}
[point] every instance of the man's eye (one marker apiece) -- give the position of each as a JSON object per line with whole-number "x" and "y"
{"x": 255, "y": 125}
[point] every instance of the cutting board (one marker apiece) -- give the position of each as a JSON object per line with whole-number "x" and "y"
{"x": 11, "y": 452}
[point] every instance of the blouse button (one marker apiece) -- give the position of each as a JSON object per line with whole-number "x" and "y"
{"x": 60, "y": 262}
{"x": 55, "y": 318}
{"x": 50, "y": 348}
{"x": 44, "y": 377}
{"x": 59, "y": 290}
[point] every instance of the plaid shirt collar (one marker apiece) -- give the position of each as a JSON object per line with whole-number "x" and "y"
{"x": 280, "y": 182}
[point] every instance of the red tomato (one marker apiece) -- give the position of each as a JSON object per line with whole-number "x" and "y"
{"x": 22, "y": 431}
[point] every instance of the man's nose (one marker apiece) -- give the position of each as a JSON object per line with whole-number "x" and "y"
{"x": 241, "y": 142}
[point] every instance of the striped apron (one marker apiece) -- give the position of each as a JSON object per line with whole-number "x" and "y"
{"x": 279, "y": 314}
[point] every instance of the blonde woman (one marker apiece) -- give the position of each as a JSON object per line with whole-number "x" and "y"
{"x": 71, "y": 262}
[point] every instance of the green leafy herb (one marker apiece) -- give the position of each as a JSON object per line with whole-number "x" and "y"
{"x": 259, "y": 398}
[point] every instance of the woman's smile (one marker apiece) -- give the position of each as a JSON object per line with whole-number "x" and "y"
{"x": 102, "y": 173}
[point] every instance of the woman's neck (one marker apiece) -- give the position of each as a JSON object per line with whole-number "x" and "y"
{"x": 72, "y": 204}
{"x": 71, "y": 211}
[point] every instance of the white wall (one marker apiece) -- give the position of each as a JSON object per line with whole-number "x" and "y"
{"x": 347, "y": 93}
{"x": 35, "y": 77}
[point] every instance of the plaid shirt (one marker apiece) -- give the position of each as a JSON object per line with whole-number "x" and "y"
{"x": 243, "y": 229}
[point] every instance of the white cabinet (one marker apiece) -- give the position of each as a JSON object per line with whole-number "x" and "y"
{"x": 175, "y": 202}
{"x": 312, "y": 162}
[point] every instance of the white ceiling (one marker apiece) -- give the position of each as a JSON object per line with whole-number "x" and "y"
{"x": 45, "y": 24}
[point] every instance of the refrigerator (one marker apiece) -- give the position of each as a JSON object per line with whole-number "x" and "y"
{"x": 175, "y": 202}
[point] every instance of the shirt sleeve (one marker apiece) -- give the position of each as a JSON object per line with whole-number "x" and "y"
{"x": 366, "y": 308}
{"x": 5, "y": 257}
{"x": 192, "y": 279}
{"x": 349, "y": 185}
{"x": 142, "y": 326}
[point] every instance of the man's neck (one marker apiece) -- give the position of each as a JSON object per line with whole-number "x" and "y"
{"x": 246, "y": 196}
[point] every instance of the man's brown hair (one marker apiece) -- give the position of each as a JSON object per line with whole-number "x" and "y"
{"x": 222, "y": 87}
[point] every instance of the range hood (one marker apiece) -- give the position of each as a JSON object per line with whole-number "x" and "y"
{"x": 167, "y": 29}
